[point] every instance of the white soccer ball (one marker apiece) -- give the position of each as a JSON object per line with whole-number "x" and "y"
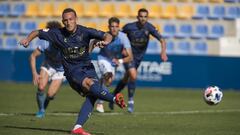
{"x": 212, "y": 95}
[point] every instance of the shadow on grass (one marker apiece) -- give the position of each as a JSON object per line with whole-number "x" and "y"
{"x": 47, "y": 129}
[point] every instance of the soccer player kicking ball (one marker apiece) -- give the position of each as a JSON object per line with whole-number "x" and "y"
{"x": 51, "y": 69}
{"x": 138, "y": 33}
{"x": 115, "y": 53}
{"x": 73, "y": 43}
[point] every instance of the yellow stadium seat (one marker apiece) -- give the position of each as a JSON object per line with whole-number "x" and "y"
{"x": 42, "y": 25}
{"x": 78, "y": 7}
{"x": 135, "y": 8}
{"x": 184, "y": 12}
{"x": 58, "y": 9}
{"x": 155, "y": 11}
{"x": 169, "y": 12}
{"x": 216, "y": 1}
{"x": 46, "y": 9}
{"x": 107, "y": 10}
{"x": 103, "y": 26}
{"x": 91, "y": 9}
{"x": 199, "y": 1}
{"x": 32, "y": 10}
{"x": 122, "y": 10}
{"x": 184, "y": 1}
{"x": 91, "y": 25}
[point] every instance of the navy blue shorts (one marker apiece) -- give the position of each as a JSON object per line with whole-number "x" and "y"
{"x": 76, "y": 77}
{"x": 133, "y": 64}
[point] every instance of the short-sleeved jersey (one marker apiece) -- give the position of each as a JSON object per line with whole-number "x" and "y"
{"x": 73, "y": 46}
{"x": 52, "y": 55}
{"x": 115, "y": 48}
{"x": 139, "y": 37}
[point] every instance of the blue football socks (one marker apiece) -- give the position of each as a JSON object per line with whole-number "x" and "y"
{"x": 131, "y": 89}
{"x": 40, "y": 100}
{"x": 101, "y": 92}
{"x": 86, "y": 109}
{"x": 47, "y": 100}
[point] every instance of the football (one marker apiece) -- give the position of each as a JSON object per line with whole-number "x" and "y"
{"x": 212, "y": 95}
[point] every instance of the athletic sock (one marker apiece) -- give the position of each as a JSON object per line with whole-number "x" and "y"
{"x": 101, "y": 92}
{"x": 40, "y": 100}
{"x": 131, "y": 89}
{"x": 47, "y": 100}
{"x": 86, "y": 110}
{"x": 119, "y": 87}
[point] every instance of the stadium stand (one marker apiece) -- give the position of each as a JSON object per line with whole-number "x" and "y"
{"x": 4, "y": 9}
{"x": 18, "y": 9}
{"x": 177, "y": 20}
{"x": 32, "y": 10}
{"x": 2, "y": 27}
{"x": 201, "y": 12}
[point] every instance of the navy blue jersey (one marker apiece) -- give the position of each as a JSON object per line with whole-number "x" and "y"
{"x": 73, "y": 46}
{"x": 139, "y": 36}
{"x": 52, "y": 54}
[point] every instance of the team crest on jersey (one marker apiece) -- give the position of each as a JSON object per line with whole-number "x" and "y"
{"x": 80, "y": 38}
{"x": 46, "y": 30}
{"x": 146, "y": 32}
{"x": 65, "y": 40}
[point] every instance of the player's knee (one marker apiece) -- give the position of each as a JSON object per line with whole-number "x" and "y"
{"x": 41, "y": 87}
{"x": 108, "y": 78}
{"x": 87, "y": 83}
{"x": 133, "y": 77}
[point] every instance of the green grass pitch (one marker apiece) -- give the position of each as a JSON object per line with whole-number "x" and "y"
{"x": 157, "y": 112}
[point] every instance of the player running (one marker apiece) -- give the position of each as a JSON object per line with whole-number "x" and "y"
{"x": 117, "y": 52}
{"x": 51, "y": 69}
{"x": 138, "y": 33}
{"x": 73, "y": 43}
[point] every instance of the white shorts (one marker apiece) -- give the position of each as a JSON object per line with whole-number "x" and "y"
{"x": 105, "y": 66}
{"x": 54, "y": 74}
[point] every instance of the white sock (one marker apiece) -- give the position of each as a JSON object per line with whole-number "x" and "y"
{"x": 77, "y": 126}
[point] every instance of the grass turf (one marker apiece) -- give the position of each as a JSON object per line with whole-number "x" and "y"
{"x": 157, "y": 112}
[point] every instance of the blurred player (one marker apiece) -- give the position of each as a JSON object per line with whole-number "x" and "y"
{"x": 138, "y": 33}
{"x": 51, "y": 69}
{"x": 117, "y": 52}
{"x": 73, "y": 43}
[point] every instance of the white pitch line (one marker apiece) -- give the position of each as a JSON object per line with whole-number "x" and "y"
{"x": 135, "y": 113}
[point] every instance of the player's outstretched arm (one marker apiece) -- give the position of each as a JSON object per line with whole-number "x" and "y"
{"x": 163, "y": 50}
{"x": 25, "y": 42}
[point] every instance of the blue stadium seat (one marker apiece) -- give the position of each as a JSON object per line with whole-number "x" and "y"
{"x": 232, "y": 13}
{"x": 1, "y": 42}
{"x": 202, "y": 11}
{"x": 170, "y": 47}
{"x": 18, "y": 9}
{"x": 200, "y": 48}
{"x": 201, "y": 31}
{"x": 217, "y": 31}
{"x": 4, "y": 9}
{"x": 11, "y": 43}
{"x": 218, "y": 12}
{"x": 28, "y": 27}
{"x": 185, "y": 31}
{"x": 230, "y": 1}
{"x": 13, "y": 27}
{"x": 2, "y": 27}
{"x": 153, "y": 47}
{"x": 169, "y": 31}
{"x": 183, "y": 47}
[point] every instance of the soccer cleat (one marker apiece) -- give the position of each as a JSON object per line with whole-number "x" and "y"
{"x": 40, "y": 114}
{"x": 79, "y": 131}
{"x": 130, "y": 107}
{"x": 120, "y": 101}
{"x": 100, "y": 108}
